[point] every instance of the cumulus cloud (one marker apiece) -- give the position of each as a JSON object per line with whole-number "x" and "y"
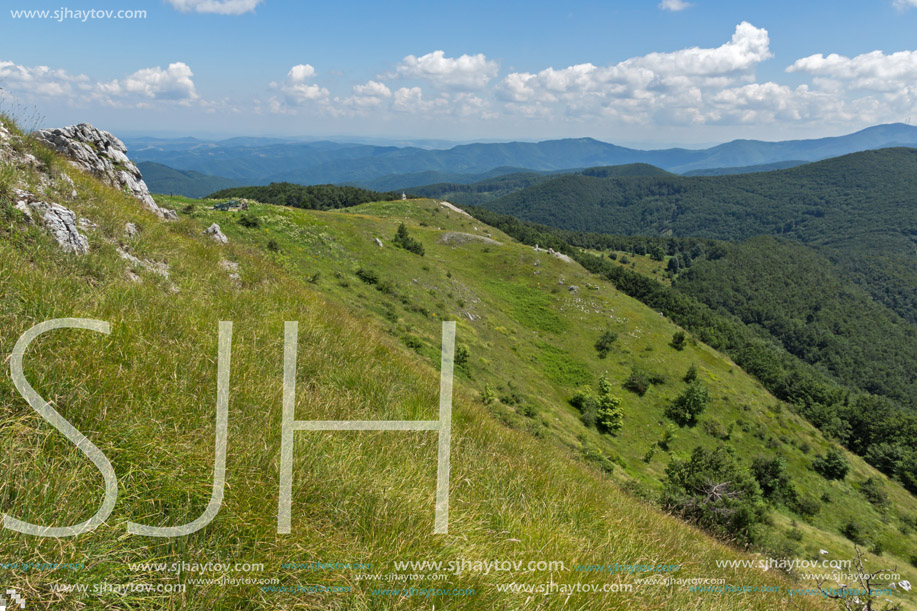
{"x": 675, "y": 5}
{"x": 144, "y": 87}
{"x": 173, "y": 83}
{"x": 40, "y": 80}
{"x": 465, "y": 72}
{"x": 217, "y": 7}
{"x": 297, "y": 88}
{"x": 874, "y": 71}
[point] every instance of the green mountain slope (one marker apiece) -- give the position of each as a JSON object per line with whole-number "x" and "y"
{"x": 145, "y": 396}
{"x": 858, "y": 208}
{"x": 529, "y": 341}
{"x": 163, "y": 179}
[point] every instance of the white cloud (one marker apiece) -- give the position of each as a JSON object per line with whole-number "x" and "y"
{"x": 173, "y": 83}
{"x": 218, "y": 7}
{"x": 902, "y": 5}
{"x": 874, "y": 71}
{"x": 298, "y": 90}
{"x": 142, "y": 88}
{"x": 40, "y": 80}
{"x": 464, "y": 72}
{"x": 668, "y": 87}
{"x": 674, "y": 5}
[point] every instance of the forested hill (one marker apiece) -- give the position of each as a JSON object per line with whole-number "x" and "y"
{"x": 861, "y": 209}
{"x": 313, "y": 197}
{"x": 817, "y": 202}
{"x": 479, "y": 192}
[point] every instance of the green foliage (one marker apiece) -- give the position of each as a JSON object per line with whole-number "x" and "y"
{"x": 678, "y": 340}
{"x": 610, "y": 416}
{"x": 689, "y": 405}
{"x": 712, "y": 490}
{"x": 773, "y": 479}
{"x": 368, "y": 276}
{"x": 314, "y": 197}
{"x": 874, "y": 492}
{"x": 806, "y": 506}
{"x": 832, "y": 465}
{"x": 606, "y": 341}
{"x": 638, "y": 381}
{"x": 461, "y": 356}
{"x": 488, "y": 395}
{"x": 853, "y": 530}
{"x": 691, "y": 374}
{"x": 404, "y": 240}
{"x": 249, "y": 220}
{"x": 600, "y": 409}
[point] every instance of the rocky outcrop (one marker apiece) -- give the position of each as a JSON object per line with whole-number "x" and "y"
{"x": 59, "y": 221}
{"x": 214, "y": 232}
{"x": 105, "y": 156}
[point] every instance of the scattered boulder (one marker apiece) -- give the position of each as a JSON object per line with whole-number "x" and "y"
{"x": 102, "y": 154}
{"x": 57, "y": 220}
{"x": 379, "y": 242}
{"x": 130, "y": 230}
{"x": 214, "y": 232}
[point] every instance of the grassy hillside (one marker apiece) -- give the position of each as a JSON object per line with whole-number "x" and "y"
{"x": 520, "y": 490}
{"x": 529, "y": 341}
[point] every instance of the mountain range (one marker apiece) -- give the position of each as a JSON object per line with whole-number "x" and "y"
{"x": 262, "y": 160}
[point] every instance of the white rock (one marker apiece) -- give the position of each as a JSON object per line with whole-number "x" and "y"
{"x": 214, "y": 232}
{"x": 57, "y": 220}
{"x": 130, "y": 230}
{"x": 103, "y": 155}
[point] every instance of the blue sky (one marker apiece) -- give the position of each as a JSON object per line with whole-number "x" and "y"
{"x": 653, "y": 73}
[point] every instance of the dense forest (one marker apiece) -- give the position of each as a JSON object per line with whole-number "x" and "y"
{"x": 314, "y": 197}
{"x": 876, "y": 427}
{"x": 858, "y": 209}
{"x": 480, "y": 192}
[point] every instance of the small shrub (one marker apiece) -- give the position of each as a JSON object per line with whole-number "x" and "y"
{"x": 368, "y": 276}
{"x": 806, "y": 506}
{"x": 249, "y": 221}
{"x": 637, "y": 382}
{"x": 874, "y": 492}
{"x": 272, "y": 245}
{"x": 832, "y": 465}
{"x": 691, "y": 374}
{"x": 461, "y": 356}
{"x": 605, "y": 342}
{"x": 773, "y": 479}
{"x": 689, "y": 405}
{"x": 602, "y": 409}
{"x": 853, "y": 531}
{"x": 669, "y": 433}
{"x": 488, "y": 396}
{"x": 712, "y": 490}
{"x": 404, "y": 240}
{"x": 713, "y": 428}
{"x": 678, "y": 340}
